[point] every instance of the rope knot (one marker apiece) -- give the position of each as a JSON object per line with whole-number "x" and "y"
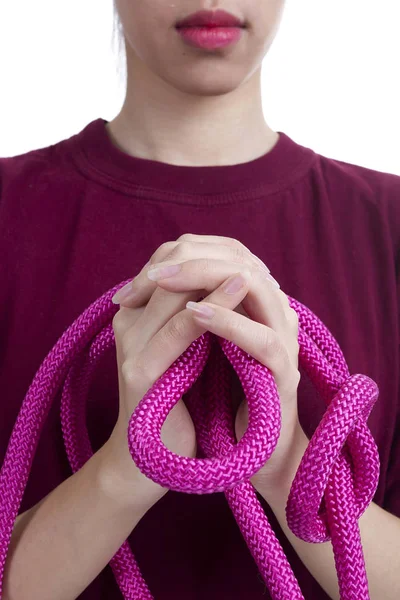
{"x": 229, "y": 464}
{"x": 340, "y": 464}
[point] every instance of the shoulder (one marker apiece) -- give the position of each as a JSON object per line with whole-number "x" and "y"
{"x": 376, "y": 192}
{"x": 35, "y": 183}
{"x": 379, "y": 184}
{"x": 33, "y": 167}
{"x": 332, "y": 175}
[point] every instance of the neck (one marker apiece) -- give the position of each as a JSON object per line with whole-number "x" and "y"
{"x": 160, "y": 122}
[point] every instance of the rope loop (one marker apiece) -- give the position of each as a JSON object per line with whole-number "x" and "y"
{"x": 217, "y": 473}
{"x": 335, "y": 482}
{"x": 342, "y": 447}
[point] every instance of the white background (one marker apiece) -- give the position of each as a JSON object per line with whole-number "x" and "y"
{"x": 331, "y": 81}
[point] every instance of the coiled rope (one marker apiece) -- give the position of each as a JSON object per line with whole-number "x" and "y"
{"x": 333, "y": 486}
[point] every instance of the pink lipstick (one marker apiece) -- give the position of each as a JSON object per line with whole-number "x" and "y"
{"x": 210, "y": 29}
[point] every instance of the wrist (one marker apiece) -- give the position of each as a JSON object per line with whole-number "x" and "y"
{"x": 122, "y": 482}
{"x": 275, "y": 490}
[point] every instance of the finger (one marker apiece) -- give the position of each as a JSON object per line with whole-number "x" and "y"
{"x": 208, "y": 275}
{"x": 182, "y": 247}
{"x": 210, "y": 239}
{"x": 161, "y": 307}
{"x": 263, "y": 303}
{"x": 174, "y": 337}
{"x": 199, "y": 273}
{"x": 227, "y": 241}
{"x": 260, "y": 341}
{"x": 164, "y": 305}
{"x": 169, "y": 250}
{"x": 278, "y": 315}
{"x": 122, "y": 322}
{"x": 141, "y": 288}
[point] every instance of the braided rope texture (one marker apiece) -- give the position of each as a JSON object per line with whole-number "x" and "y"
{"x": 334, "y": 484}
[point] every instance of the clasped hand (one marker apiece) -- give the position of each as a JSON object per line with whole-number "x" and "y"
{"x": 241, "y": 304}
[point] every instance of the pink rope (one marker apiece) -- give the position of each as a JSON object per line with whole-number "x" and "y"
{"x": 334, "y": 484}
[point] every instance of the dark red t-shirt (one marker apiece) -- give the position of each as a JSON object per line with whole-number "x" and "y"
{"x": 80, "y": 216}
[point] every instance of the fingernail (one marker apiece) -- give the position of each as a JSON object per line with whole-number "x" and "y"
{"x": 202, "y": 311}
{"x": 274, "y": 281}
{"x": 125, "y": 293}
{"x": 234, "y": 285}
{"x": 163, "y": 272}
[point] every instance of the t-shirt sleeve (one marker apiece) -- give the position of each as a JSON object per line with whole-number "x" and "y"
{"x": 392, "y": 488}
{"x": 392, "y": 491}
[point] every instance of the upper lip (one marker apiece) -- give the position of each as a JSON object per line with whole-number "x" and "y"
{"x": 209, "y": 18}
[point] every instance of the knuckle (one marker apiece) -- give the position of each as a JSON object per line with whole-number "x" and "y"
{"x": 116, "y": 319}
{"x": 239, "y": 254}
{"x": 129, "y": 372}
{"x": 284, "y": 299}
{"x": 296, "y": 377}
{"x": 232, "y": 326}
{"x": 244, "y": 247}
{"x": 205, "y": 266}
{"x": 183, "y": 249}
{"x": 163, "y": 251}
{"x": 179, "y": 251}
{"x": 293, "y": 379}
{"x": 176, "y": 330}
{"x": 118, "y": 324}
{"x": 257, "y": 274}
{"x": 238, "y": 244}
{"x": 185, "y": 237}
{"x": 249, "y": 273}
{"x": 135, "y": 370}
{"x": 125, "y": 344}
{"x": 273, "y": 345}
{"x": 293, "y": 318}
{"x": 123, "y": 322}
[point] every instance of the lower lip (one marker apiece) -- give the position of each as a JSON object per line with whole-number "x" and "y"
{"x": 210, "y": 38}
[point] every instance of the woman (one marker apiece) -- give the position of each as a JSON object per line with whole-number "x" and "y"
{"x": 190, "y": 176}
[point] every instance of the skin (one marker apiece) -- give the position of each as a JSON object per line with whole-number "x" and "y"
{"x": 189, "y": 106}
{"x": 257, "y": 318}
{"x": 210, "y": 113}
{"x": 152, "y": 329}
